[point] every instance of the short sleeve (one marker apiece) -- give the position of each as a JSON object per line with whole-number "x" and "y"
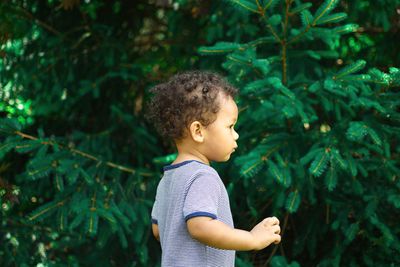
{"x": 154, "y": 213}
{"x": 202, "y": 197}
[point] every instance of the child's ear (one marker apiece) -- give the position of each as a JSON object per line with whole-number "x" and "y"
{"x": 196, "y": 131}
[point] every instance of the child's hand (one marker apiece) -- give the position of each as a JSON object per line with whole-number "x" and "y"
{"x": 266, "y": 232}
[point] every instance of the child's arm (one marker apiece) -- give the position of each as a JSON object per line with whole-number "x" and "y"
{"x": 156, "y": 233}
{"x": 219, "y": 235}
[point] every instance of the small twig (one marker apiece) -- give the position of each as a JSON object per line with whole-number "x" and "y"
{"x": 284, "y": 63}
{"x": 262, "y": 13}
{"x": 287, "y": 13}
{"x": 39, "y": 22}
{"x": 298, "y": 36}
{"x": 273, "y": 31}
{"x": 327, "y": 219}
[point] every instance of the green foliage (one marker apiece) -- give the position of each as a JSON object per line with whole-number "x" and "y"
{"x": 279, "y": 261}
{"x": 77, "y": 170}
{"x": 293, "y": 201}
{"x": 350, "y": 69}
{"x": 324, "y": 10}
{"x": 319, "y": 126}
{"x": 221, "y": 47}
{"x": 337, "y": 155}
{"x": 246, "y": 5}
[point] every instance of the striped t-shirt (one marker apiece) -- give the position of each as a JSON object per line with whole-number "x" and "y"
{"x": 189, "y": 189}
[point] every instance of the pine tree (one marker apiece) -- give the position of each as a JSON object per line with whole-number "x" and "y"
{"x": 77, "y": 177}
{"x": 319, "y": 137}
{"x": 318, "y": 126}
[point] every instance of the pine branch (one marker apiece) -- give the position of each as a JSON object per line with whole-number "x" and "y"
{"x": 320, "y": 163}
{"x": 298, "y": 36}
{"x": 46, "y": 208}
{"x": 85, "y": 155}
{"x": 300, "y": 8}
{"x": 332, "y": 18}
{"x": 284, "y": 42}
{"x": 260, "y": 8}
{"x": 287, "y": 14}
{"x": 356, "y": 66}
{"x": 325, "y": 8}
{"x": 247, "y": 5}
{"x": 251, "y": 168}
{"x": 18, "y": 222}
{"x": 293, "y": 201}
{"x": 93, "y": 220}
{"x": 269, "y": 26}
{"x": 219, "y": 48}
{"x": 267, "y": 5}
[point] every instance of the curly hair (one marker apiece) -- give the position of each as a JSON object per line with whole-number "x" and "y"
{"x": 184, "y": 98}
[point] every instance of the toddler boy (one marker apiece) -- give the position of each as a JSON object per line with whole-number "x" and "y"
{"x": 191, "y": 215}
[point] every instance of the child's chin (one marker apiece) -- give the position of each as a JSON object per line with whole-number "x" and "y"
{"x": 227, "y": 158}
{"x": 223, "y": 160}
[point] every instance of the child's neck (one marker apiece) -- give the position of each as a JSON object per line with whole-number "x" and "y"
{"x": 186, "y": 153}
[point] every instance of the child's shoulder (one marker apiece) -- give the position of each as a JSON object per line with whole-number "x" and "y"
{"x": 198, "y": 165}
{"x": 204, "y": 172}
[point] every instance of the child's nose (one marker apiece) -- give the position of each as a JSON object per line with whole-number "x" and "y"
{"x": 236, "y": 135}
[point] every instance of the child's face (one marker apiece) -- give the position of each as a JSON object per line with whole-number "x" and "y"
{"x": 220, "y": 139}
